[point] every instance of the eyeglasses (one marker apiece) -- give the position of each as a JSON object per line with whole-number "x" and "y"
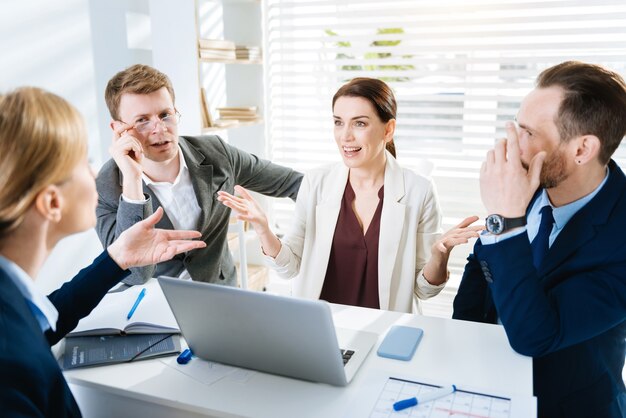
{"x": 167, "y": 119}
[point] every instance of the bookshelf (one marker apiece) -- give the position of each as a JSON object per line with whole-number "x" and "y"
{"x": 181, "y": 33}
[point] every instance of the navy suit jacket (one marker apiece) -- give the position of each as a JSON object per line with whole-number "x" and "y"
{"x": 570, "y": 313}
{"x": 31, "y": 382}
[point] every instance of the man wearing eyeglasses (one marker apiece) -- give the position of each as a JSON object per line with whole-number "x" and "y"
{"x": 152, "y": 166}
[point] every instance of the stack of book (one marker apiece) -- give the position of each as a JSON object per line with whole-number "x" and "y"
{"x": 240, "y": 114}
{"x": 217, "y": 49}
{"x": 252, "y": 53}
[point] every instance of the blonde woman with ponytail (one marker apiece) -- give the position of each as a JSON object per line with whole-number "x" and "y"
{"x": 47, "y": 192}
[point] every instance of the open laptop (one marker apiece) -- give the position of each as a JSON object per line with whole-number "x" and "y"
{"x": 275, "y": 334}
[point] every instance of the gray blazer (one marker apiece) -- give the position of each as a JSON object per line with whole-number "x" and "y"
{"x": 213, "y": 165}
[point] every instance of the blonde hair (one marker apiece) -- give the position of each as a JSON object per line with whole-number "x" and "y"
{"x": 42, "y": 139}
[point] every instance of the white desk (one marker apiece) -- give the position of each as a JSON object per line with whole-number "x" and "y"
{"x": 464, "y": 353}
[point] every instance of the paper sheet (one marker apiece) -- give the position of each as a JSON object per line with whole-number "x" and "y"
{"x": 208, "y": 372}
{"x": 382, "y": 391}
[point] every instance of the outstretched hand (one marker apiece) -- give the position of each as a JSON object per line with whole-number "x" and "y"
{"x": 459, "y": 234}
{"x": 245, "y": 208}
{"x": 142, "y": 244}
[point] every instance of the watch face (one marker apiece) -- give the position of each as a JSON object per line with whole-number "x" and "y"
{"x": 495, "y": 224}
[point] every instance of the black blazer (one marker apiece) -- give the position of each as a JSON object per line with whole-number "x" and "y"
{"x": 570, "y": 314}
{"x": 31, "y": 382}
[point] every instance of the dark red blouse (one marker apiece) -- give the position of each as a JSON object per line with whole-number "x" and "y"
{"x": 352, "y": 273}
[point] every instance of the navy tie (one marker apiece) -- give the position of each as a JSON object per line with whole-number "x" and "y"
{"x": 541, "y": 243}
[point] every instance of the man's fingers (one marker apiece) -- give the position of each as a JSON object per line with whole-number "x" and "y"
{"x": 499, "y": 151}
{"x": 534, "y": 168}
{"x": 512, "y": 144}
{"x": 120, "y": 127}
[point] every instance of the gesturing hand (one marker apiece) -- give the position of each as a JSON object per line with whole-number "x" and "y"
{"x": 459, "y": 234}
{"x": 506, "y": 187}
{"x": 246, "y": 208}
{"x": 142, "y": 244}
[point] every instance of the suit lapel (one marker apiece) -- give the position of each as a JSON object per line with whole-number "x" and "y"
{"x": 201, "y": 174}
{"x": 326, "y": 216}
{"x": 582, "y": 227}
{"x": 391, "y": 226}
{"x": 165, "y": 221}
{"x": 10, "y": 295}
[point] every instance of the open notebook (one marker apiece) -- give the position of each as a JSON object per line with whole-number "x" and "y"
{"x": 153, "y": 314}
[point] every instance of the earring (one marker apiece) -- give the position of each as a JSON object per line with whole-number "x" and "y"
{"x": 577, "y": 161}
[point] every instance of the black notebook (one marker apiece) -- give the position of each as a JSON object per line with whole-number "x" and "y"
{"x": 108, "y": 349}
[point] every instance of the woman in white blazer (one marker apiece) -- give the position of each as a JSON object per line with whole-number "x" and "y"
{"x": 331, "y": 255}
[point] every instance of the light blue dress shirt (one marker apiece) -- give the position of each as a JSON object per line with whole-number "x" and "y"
{"x": 561, "y": 215}
{"x": 44, "y": 311}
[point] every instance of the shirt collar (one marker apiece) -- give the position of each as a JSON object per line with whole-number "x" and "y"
{"x": 32, "y": 294}
{"x": 182, "y": 166}
{"x": 563, "y": 214}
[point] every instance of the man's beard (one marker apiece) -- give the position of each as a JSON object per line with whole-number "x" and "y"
{"x": 553, "y": 171}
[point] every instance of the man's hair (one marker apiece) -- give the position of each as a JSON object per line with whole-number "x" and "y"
{"x": 137, "y": 79}
{"x": 594, "y": 103}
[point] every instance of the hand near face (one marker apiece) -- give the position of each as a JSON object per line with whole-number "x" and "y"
{"x": 127, "y": 152}
{"x": 142, "y": 244}
{"x": 506, "y": 187}
{"x": 457, "y": 235}
{"x": 246, "y": 208}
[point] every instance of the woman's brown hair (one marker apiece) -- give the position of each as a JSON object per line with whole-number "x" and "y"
{"x": 379, "y": 95}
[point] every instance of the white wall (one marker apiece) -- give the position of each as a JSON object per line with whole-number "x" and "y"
{"x": 48, "y": 44}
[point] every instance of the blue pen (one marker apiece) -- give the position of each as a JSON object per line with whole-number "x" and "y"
{"x": 132, "y": 310}
{"x": 430, "y": 396}
{"x": 184, "y": 357}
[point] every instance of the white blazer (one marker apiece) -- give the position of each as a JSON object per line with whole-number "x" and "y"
{"x": 410, "y": 224}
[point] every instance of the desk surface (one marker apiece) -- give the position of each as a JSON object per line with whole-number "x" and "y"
{"x": 465, "y": 353}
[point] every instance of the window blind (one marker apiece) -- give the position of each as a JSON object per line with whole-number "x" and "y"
{"x": 459, "y": 70}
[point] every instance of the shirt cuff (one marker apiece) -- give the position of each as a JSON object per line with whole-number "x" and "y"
{"x": 426, "y": 290}
{"x": 281, "y": 259}
{"x": 134, "y": 201}
{"x": 487, "y": 238}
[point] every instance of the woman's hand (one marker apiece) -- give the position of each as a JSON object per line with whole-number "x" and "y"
{"x": 247, "y": 209}
{"x": 459, "y": 234}
{"x": 436, "y": 270}
{"x": 142, "y": 244}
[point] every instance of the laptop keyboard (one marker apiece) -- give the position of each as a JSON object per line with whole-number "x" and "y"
{"x": 347, "y": 355}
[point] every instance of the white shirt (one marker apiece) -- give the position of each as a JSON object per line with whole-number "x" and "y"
{"x": 44, "y": 311}
{"x": 178, "y": 199}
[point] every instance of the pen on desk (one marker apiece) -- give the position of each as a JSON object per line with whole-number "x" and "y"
{"x": 184, "y": 357}
{"x": 430, "y": 396}
{"x": 132, "y": 310}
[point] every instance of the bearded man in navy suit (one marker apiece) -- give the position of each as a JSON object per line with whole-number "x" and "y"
{"x": 551, "y": 267}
